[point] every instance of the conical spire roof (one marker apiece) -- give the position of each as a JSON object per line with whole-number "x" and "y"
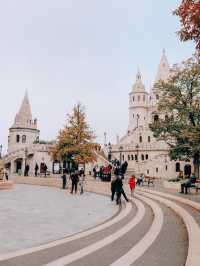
{"x": 24, "y": 116}
{"x": 163, "y": 69}
{"x": 138, "y": 86}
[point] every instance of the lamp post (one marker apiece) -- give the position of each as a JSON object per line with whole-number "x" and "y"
{"x": 120, "y": 154}
{"x": 109, "y": 152}
{"x": 137, "y": 152}
{"x": 1, "y": 147}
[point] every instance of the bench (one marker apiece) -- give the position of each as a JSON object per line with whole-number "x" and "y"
{"x": 196, "y": 186}
{"x": 148, "y": 180}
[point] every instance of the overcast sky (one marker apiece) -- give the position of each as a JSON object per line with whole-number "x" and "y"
{"x": 65, "y": 51}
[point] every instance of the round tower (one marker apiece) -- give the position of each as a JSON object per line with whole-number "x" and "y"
{"x": 138, "y": 104}
{"x": 24, "y": 131}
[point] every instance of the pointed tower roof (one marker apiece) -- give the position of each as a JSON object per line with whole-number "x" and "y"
{"x": 138, "y": 86}
{"x": 24, "y": 116}
{"x": 163, "y": 68}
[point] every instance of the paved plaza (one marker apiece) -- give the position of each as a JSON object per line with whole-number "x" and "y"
{"x": 33, "y": 215}
{"x": 159, "y": 227}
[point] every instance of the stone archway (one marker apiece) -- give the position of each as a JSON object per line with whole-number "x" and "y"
{"x": 18, "y": 165}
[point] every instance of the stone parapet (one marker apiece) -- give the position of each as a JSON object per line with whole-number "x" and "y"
{"x": 6, "y": 185}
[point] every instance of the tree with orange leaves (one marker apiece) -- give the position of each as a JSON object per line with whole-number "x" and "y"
{"x": 189, "y": 13}
{"x": 75, "y": 142}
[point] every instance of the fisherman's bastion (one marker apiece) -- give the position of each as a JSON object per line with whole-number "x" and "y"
{"x": 144, "y": 154}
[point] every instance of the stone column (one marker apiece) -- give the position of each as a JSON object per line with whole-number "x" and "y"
{"x": 12, "y": 168}
{"x": 23, "y": 166}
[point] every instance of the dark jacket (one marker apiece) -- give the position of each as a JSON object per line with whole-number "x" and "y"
{"x": 113, "y": 185}
{"x": 118, "y": 185}
{"x": 74, "y": 178}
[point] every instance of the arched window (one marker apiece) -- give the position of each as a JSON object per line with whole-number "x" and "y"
{"x": 166, "y": 167}
{"x": 18, "y": 138}
{"x": 149, "y": 139}
{"x": 128, "y": 157}
{"x": 133, "y": 98}
{"x": 136, "y": 157}
{"x": 157, "y": 97}
{"x": 122, "y": 157}
{"x": 147, "y": 156}
{"x": 140, "y": 139}
{"x": 178, "y": 167}
{"x": 144, "y": 98}
{"x": 142, "y": 157}
{"x": 24, "y": 139}
{"x": 156, "y": 118}
{"x": 133, "y": 115}
{"x": 156, "y": 170}
{"x": 147, "y": 171}
{"x": 138, "y": 98}
{"x": 132, "y": 157}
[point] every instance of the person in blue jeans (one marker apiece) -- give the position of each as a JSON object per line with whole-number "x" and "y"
{"x": 188, "y": 183}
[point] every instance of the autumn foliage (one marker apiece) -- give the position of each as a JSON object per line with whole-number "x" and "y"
{"x": 189, "y": 13}
{"x": 75, "y": 140}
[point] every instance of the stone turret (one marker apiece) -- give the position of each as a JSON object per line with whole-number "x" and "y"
{"x": 163, "y": 68}
{"x": 24, "y": 130}
{"x": 163, "y": 74}
{"x": 138, "y": 104}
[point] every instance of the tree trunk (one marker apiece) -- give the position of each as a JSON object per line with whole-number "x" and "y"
{"x": 196, "y": 165}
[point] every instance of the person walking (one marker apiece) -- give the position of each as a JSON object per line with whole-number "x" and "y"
{"x": 27, "y": 168}
{"x": 75, "y": 180}
{"x": 64, "y": 180}
{"x": 132, "y": 184}
{"x": 120, "y": 191}
{"x": 113, "y": 189}
{"x": 45, "y": 170}
{"x": 82, "y": 180}
{"x": 36, "y": 169}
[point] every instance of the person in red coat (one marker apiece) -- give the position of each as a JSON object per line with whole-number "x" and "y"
{"x": 132, "y": 184}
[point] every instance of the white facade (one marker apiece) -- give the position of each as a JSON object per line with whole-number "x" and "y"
{"x": 24, "y": 146}
{"x": 138, "y": 147}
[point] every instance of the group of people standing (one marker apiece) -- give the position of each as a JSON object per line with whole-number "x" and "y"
{"x": 76, "y": 177}
{"x": 103, "y": 172}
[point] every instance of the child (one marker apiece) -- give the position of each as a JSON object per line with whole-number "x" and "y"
{"x": 132, "y": 184}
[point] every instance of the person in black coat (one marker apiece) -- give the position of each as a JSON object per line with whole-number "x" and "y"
{"x": 36, "y": 169}
{"x": 75, "y": 180}
{"x": 119, "y": 190}
{"x": 64, "y": 179}
{"x": 113, "y": 189}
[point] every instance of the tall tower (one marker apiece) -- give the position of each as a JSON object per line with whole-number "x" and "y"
{"x": 138, "y": 104}
{"x": 24, "y": 130}
{"x": 163, "y": 73}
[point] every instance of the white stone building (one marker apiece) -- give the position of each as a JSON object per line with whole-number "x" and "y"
{"x": 138, "y": 147}
{"x": 24, "y": 146}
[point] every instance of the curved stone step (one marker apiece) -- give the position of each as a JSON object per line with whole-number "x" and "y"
{"x": 104, "y": 242}
{"x": 193, "y": 229}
